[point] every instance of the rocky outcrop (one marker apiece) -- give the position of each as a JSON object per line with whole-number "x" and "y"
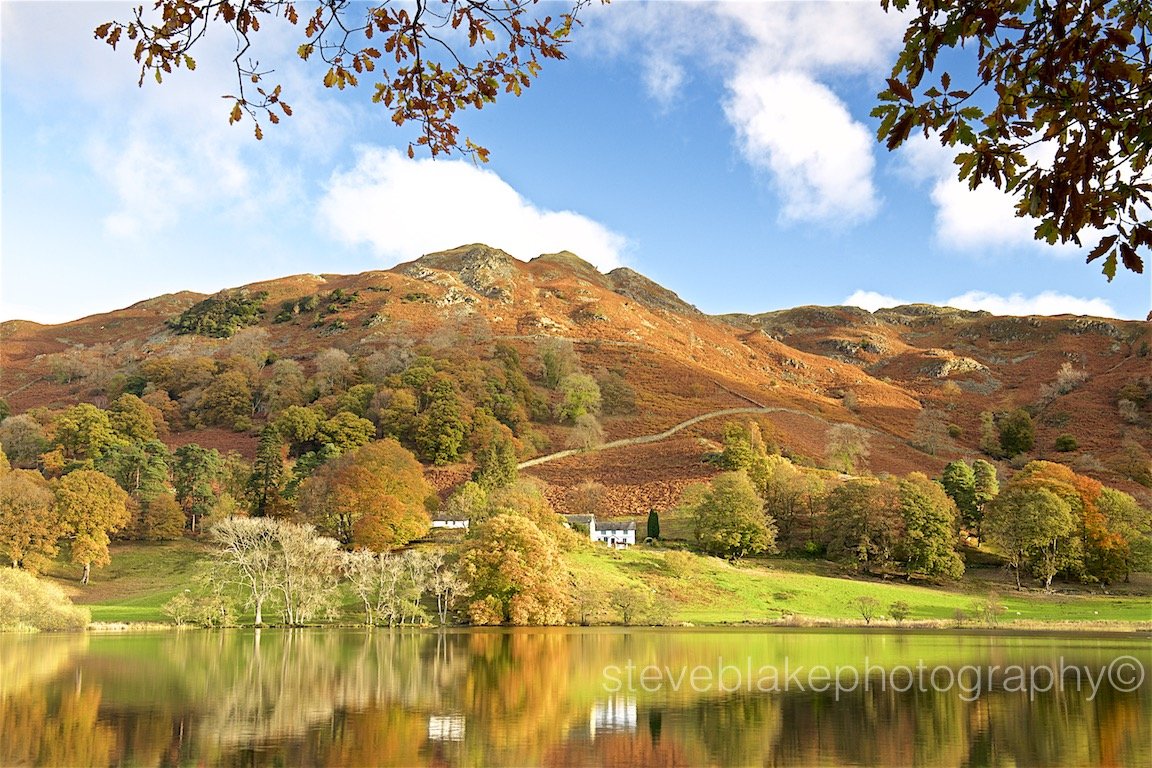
{"x": 488, "y": 271}
{"x": 640, "y": 289}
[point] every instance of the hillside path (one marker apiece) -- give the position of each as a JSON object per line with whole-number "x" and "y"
{"x": 657, "y": 437}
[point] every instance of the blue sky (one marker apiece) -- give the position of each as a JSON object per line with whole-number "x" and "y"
{"x": 723, "y": 149}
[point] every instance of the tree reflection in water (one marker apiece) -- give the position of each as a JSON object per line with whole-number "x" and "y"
{"x": 383, "y": 697}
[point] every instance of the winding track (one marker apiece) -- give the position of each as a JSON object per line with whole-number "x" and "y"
{"x": 660, "y": 435}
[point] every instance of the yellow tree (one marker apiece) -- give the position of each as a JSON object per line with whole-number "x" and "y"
{"x": 29, "y": 525}
{"x": 372, "y": 497}
{"x": 514, "y": 573}
{"x": 91, "y": 506}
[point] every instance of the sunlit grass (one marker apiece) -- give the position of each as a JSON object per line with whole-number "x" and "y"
{"x": 698, "y": 590}
{"x": 712, "y": 591}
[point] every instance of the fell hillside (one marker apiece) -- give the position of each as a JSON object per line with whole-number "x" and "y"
{"x": 904, "y": 375}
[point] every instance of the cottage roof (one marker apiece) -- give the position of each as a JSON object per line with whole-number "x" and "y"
{"x": 606, "y": 527}
{"x": 580, "y": 519}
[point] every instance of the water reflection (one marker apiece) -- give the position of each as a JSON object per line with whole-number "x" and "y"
{"x": 545, "y": 697}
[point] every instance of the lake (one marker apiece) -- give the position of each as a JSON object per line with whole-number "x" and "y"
{"x": 574, "y": 697}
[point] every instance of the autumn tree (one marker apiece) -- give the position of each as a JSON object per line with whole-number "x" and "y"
{"x": 228, "y": 401}
{"x": 865, "y": 523}
{"x": 1132, "y": 523}
{"x": 468, "y": 502}
{"x": 795, "y": 500}
{"x": 959, "y": 482}
{"x": 345, "y": 432}
{"x": 419, "y": 72}
{"x": 1055, "y": 111}
{"x": 630, "y": 602}
{"x": 744, "y": 447}
{"x": 494, "y": 451}
{"x": 286, "y": 386}
{"x": 587, "y": 432}
{"x": 1031, "y": 525}
{"x": 157, "y": 517}
{"x": 23, "y": 439}
{"x": 846, "y": 446}
{"x": 928, "y": 545}
{"x": 371, "y": 497}
{"x": 389, "y": 585}
{"x": 334, "y": 371}
{"x": 90, "y": 506}
{"x": 84, "y": 433}
{"x": 527, "y": 497}
{"x": 514, "y": 574}
{"x": 307, "y": 572}
{"x": 579, "y": 396}
{"x": 135, "y": 420}
{"x": 559, "y": 360}
{"x": 930, "y": 432}
{"x": 441, "y": 428}
{"x": 29, "y": 523}
{"x": 728, "y": 517}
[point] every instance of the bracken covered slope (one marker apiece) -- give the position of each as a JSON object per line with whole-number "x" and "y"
{"x": 907, "y": 375}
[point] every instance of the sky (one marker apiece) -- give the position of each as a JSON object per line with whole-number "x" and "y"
{"x": 723, "y": 149}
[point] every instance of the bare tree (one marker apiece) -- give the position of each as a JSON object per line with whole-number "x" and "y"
{"x": 847, "y": 445}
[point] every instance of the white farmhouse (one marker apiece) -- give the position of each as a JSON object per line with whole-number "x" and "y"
{"x": 449, "y": 521}
{"x": 618, "y": 535}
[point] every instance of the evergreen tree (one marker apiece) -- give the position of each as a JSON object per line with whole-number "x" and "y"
{"x": 985, "y": 488}
{"x": 266, "y": 483}
{"x": 196, "y": 475}
{"x": 1017, "y": 433}
{"x": 441, "y": 430}
{"x": 653, "y": 524}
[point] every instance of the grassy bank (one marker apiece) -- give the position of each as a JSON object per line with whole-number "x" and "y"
{"x": 705, "y": 590}
{"x": 141, "y": 578}
{"x": 698, "y": 590}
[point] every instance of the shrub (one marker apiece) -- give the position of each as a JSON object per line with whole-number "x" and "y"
{"x": 1066, "y": 443}
{"x": 899, "y": 611}
{"x": 221, "y": 315}
{"x": 29, "y": 603}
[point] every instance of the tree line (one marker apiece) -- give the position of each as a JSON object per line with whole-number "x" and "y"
{"x": 1045, "y": 519}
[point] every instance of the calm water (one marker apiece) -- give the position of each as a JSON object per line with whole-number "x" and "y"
{"x": 574, "y": 697}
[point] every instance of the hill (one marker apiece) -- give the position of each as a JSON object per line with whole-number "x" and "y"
{"x": 916, "y": 378}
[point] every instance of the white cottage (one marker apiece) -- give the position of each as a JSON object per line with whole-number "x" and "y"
{"x": 447, "y": 521}
{"x": 618, "y": 535}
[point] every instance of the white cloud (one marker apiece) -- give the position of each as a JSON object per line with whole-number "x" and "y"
{"x": 777, "y": 61}
{"x": 405, "y": 208}
{"x": 1045, "y": 303}
{"x": 798, "y": 130}
{"x": 872, "y": 301}
{"x": 982, "y": 218}
{"x": 817, "y": 37}
{"x": 664, "y": 77}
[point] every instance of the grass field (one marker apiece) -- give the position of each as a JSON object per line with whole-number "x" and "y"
{"x": 141, "y": 578}
{"x": 706, "y": 590}
{"x": 694, "y": 589}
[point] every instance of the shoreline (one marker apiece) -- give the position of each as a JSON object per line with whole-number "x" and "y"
{"x": 927, "y": 626}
